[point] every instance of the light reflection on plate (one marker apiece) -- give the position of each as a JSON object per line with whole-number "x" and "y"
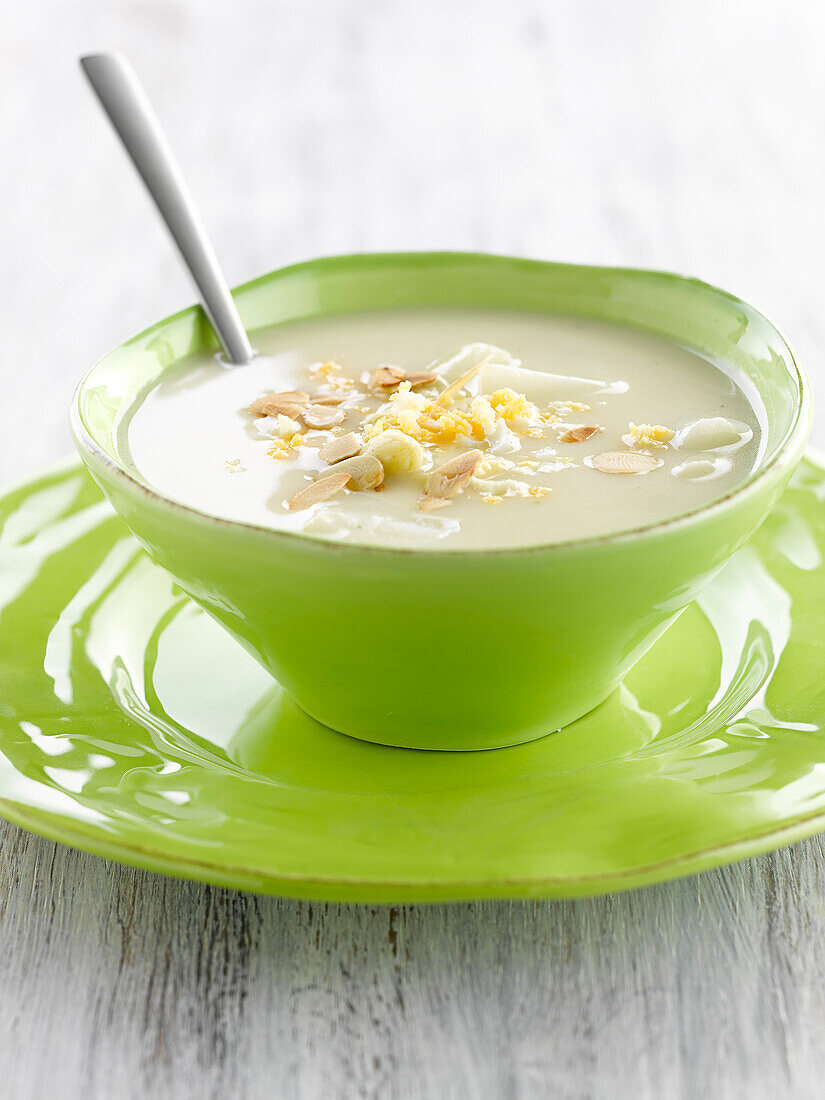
{"x": 132, "y": 726}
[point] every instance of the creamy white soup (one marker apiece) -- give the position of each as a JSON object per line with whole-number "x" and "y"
{"x": 448, "y": 428}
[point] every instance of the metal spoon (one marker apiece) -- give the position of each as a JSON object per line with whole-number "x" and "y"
{"x": 124, "y": 100}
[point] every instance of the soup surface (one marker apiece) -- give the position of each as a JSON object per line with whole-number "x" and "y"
{"x": 448, "y": 429}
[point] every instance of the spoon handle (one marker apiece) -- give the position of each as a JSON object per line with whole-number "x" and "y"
{"x": 125, "y": 102}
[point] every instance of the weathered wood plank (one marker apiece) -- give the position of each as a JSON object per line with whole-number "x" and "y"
{"x": 120, "y": 982}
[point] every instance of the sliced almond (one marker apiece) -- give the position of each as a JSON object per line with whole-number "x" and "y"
{"x": 319, "y": 490}
{"x": 345, "y": 446}
{"x": 268, "y": 404}
{"x": 322, "y": 416}
{"x": 364, "y": 472}
{"x": 429, "y": 504}
{"x": 298, "y": 397}
{"x": 420, "y": 378}
{"x": 284, "y": 408}
{"x": 450, "y": 479}
{"x": 624, "y": 462}
{"x": 386, "y": 378}
{"x": 579, "y": 434}
{"x": 327, "y": 398}
{"x": 446, "y": 397}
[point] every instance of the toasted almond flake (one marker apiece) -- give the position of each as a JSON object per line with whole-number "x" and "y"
{"x": 319, "y": 490}
{"x": 364, "y": 471}
{"x": 345, "y": 446}
{"x": 451, "y": 478}
{"x": 579, "y": 434}
{"x": 270, "y": 404}
{"x": 297, "y": 397}
{"x": 386, "y": 378}
{"x": 327, "y": 398}
{"x": 429, "y": 504}
{"x": 322, "y": 416}
{"x": 285, "y": 408}
{"x": 446, "y": 397}
{"x": 420, "y": 378}
{"x": 624, "y": 462}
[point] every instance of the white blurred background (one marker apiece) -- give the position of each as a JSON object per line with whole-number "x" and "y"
{"x": 681, "y": 136}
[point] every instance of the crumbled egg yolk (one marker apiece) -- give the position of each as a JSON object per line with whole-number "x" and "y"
{"x": 508, "y": 487}
{"x": 329, "y": 374}
{"x": 283, "y": 448}
{"x": 557, "y": 462}
{"x": 647, "y": 435}
{"x": 560, "y": 409}
{"x": 514, "y": 408}
{"x": 428, "y": 422}
{"x": 401, "y": 431}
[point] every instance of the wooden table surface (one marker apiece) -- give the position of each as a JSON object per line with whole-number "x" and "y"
{"x": 687, "y": 137}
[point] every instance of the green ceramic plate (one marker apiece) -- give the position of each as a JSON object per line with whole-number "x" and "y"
{"x": 133, "y": 727}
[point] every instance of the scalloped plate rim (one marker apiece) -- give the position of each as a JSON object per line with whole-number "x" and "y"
{"x": 400, "y": 890}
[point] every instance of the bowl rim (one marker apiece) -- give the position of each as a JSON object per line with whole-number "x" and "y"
{"x": 789, "y": 448}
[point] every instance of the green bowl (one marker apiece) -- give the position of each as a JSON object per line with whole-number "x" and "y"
{"x": 449, "y": 649}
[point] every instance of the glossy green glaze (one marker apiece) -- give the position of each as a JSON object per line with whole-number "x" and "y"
{"x": 449, "y": 649}
{"x": 132, "y": 726}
